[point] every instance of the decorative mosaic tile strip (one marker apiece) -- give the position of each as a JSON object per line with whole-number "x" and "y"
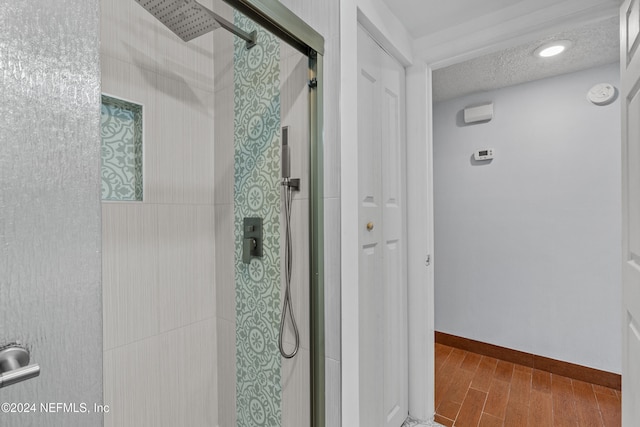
{"x": 257, "y": 194}
{"x": 121, "y": 132}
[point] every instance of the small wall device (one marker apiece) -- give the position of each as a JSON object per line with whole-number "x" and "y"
{"x": 484, "y": 154}
{"x": 479, "y": 113}
{"x": 602, "y": 94}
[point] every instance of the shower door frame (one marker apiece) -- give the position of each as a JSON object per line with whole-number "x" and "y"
{"x": 286, "y": 25}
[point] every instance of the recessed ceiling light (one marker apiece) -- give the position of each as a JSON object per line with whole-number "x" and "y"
{"x": 553, "y": 48}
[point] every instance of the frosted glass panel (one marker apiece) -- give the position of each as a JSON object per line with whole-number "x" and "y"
{"x": 50, "y": 294}
{"x": 121, "y": 133}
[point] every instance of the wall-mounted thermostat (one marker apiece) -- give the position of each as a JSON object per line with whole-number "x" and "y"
{"x": 484, "y": 154}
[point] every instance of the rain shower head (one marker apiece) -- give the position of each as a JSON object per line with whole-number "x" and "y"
{"x": 189, "y": 19}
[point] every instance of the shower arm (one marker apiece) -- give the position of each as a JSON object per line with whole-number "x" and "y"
{"x": 250, "y": 38}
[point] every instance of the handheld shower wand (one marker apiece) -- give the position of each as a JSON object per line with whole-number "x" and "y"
{"x": 286, "y": 160}
{"x": 287, "y": 181}
{"x": 290, "y": 185}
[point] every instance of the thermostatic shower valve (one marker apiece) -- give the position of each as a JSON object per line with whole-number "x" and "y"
{"x": 252, "y": 239}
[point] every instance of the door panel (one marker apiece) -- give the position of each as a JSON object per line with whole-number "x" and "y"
{"x": 630, "y": 87}
{"x": 370, "y": 240}
{"x": 394, "y": 335}
{"x": 383, "y": 283}
{"x": 633, "y": 157}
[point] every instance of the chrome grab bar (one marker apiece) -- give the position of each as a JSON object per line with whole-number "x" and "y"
{"x": 14, "y": 366}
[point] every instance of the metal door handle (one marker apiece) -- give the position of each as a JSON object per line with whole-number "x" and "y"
{"x": 14, "y": 366}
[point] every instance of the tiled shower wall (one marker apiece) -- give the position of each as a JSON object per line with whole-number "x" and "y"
{"x": 257, "y": 192}
{"x": 158, "y": 283}
{"x": 160, "y": 366}
{"x": 323, "y": 16}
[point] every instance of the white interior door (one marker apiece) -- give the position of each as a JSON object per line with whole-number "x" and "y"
{"x": 630, "y": 91}
{"x": 382, "y": 237}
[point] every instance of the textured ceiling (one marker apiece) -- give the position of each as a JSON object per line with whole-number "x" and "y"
{"x": 593, "y": 44}
{"x": 426, "y": 17}
{"x": 423, "y": 17}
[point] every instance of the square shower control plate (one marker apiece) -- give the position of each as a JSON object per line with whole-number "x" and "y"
{"x": 252, "y": 239}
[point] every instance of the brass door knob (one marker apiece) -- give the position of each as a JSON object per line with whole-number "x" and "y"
{"x": 369, "y": 226}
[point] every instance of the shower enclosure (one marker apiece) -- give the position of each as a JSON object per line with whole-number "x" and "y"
{"x": 194, "y": 258}
{"x": 272, "y": 96}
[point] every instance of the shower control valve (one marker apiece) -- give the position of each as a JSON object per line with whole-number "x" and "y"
{"x": 252, "y": 239}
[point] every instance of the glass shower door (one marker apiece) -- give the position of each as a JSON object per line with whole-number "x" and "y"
{"x": 268, "y": 84}
{"x": 50, "y": 296}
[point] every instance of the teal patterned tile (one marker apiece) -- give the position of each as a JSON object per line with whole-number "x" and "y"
{"x": 121, "y": 134}
{"x": 257, "y": 194}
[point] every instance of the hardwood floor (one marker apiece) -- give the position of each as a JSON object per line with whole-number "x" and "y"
{"x": 475, "y": 390}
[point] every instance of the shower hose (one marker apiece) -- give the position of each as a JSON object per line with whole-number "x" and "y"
{"x": 287, "y": 306}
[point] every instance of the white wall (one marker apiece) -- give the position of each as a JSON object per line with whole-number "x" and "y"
{"x": 527, "y": 246}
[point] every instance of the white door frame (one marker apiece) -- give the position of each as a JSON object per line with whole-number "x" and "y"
{"x": 391, "y": 35}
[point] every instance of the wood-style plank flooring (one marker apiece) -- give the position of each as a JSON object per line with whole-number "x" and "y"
{"x": 474, "y": 390}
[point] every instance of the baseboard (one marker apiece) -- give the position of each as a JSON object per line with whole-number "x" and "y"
{"x": 571, "y": 370}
